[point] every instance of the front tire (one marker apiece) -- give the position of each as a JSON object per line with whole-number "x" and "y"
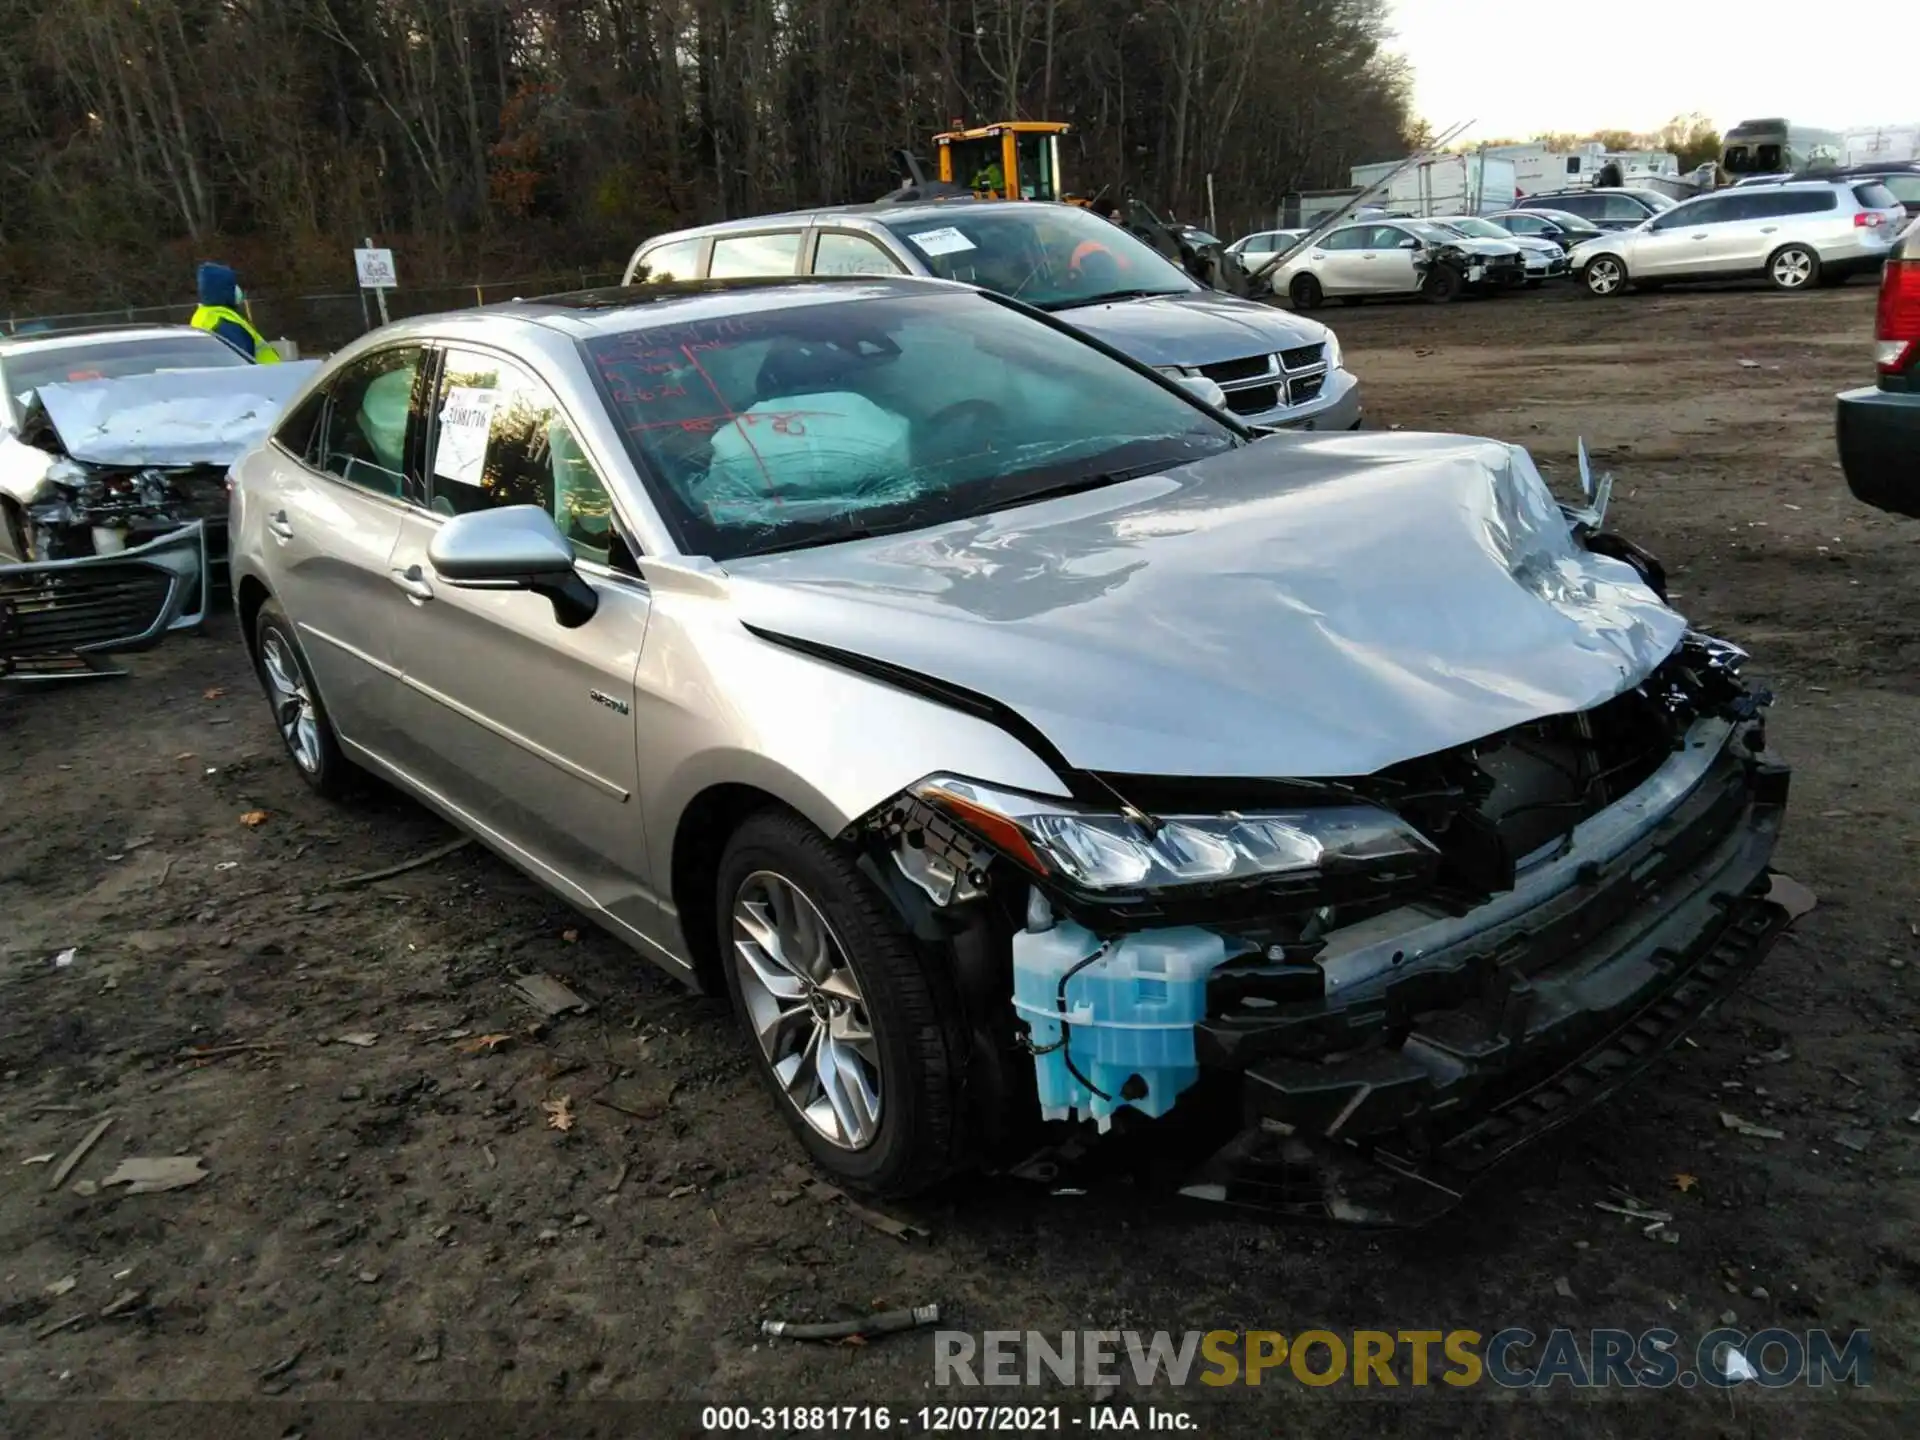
{"x": 1605, "y": 276}
{"x": 1443, "y": 285}
{"x": 850, "y": 1027}
{"x": 1793, "y": 267}
{"x": 298, "y": 712}
{"x": 1306, "y": 294}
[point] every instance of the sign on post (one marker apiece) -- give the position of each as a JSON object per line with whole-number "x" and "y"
{"x": 375, "y": 269}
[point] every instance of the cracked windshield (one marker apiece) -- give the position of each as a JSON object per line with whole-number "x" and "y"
{"x": 817, "y": 423}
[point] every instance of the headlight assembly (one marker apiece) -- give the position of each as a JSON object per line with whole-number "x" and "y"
{"x": 1115, "y": 855}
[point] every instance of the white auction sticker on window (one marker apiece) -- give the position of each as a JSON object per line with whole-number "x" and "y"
{"x": 944, "y": 241}
{"x": 461, "y": 452}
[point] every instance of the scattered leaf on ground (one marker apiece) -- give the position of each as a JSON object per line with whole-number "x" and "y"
{"x": 485, "y": 1044}
{"x": 1684, "y": 1182}
{"x": 254, "y": 819}
{"x": 559, "y": 1113}
{"x": 215, "y": 692}
{"x": 570, "y": 935}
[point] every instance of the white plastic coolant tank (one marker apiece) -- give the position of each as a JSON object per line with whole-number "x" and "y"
{"x": 1129, "y": 1013}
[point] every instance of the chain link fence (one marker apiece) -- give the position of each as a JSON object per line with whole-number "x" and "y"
{"x": 318, "y": 324}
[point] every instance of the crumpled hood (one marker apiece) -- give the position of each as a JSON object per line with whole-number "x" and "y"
{"x": 1474, "y": 246}
{"x": 172, "y": 417}
{"x": 1308, "y": 606}
{"x": 1203, "y": 328}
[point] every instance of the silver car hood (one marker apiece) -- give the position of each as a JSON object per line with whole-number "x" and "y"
{"x": 1305, "y": 606}
{"x": 172, "y": 417}
{"x": 1202, "y": 328}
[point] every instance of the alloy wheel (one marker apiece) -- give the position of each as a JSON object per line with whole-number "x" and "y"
{"x": 292, "y": 703}
{"x": 1603, "y": 276}
{"x": 1792, "y": 269}
{"x": 806, "y": 1009}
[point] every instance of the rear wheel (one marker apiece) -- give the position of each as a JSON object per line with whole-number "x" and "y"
{"x": 1793, "y": 267}
{"x": 1606, "y": 275}
{"x": 849, "y": 1024}
{"x": 298, "y": 713}
{"x": 1306, "y": 293}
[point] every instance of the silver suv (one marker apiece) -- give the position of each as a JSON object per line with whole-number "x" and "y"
{"x": 1273, "y": 370}
{"x": 1796, "y": 235}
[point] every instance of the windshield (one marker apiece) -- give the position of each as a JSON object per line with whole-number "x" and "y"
{"x": 1052, "y": 256}
{"x": 778, "y": 428}
{"x": 1478, "y": 228}
{"x": 27, "y": 370}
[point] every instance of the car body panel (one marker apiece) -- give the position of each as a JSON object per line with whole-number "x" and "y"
{"x": 1206, "y": 621}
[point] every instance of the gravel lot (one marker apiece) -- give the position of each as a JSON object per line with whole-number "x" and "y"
{"x": 400, "y": 1216}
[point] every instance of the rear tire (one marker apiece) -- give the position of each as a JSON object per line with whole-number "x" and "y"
{"x": 299, "y": 714}
{"x": 1306, "y": 294}
{"x": 1793, "y": 268}
{"x": 894, "y": 1121}
{"x": 1605, "y": 276}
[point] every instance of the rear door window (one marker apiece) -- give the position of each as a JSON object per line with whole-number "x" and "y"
{"x": 676, "y": 260}
{"x": 1618, "y": 207}
{"x": 745, "y": 256}
{"x": 1903, "y": 188}
{"x": 1353, "y": 238}
{"x": 1588, "y": 207}
{"x": 841, "y": 252}
{"x": 500, "y": 438}
{"x": 1875, "y": 196}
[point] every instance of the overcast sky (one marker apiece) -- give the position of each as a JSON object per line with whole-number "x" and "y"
{"x": 1524, "y": 66}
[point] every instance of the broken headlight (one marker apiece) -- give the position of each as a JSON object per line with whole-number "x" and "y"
{"x": 1119, "y": 852}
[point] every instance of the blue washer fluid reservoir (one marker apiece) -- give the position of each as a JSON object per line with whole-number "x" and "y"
{"x": 1130, "y": 1012}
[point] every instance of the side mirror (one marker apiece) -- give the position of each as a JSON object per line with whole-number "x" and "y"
{"x": 1208, "y": 392}
{"x": 516, "y": 547}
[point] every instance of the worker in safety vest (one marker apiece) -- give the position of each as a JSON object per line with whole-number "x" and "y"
{"x": 219, "y": 295}
{"x": 991, "y": 179}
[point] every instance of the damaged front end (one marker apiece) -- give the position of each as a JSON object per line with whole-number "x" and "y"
{"x": 1360, "y": 993}
{"x": 114, "y": 494}
{"x": 57, "y": 616}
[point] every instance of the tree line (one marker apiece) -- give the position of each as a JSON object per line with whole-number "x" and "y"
{"x": 521, "y": 136}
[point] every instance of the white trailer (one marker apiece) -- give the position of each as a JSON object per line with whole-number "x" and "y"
{"x": 1443, "y": 185}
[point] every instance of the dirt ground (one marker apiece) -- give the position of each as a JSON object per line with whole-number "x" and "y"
{"x": 399, "y": 1220}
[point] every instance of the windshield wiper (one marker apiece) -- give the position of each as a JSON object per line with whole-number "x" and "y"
{"x": 1075, "y": 301}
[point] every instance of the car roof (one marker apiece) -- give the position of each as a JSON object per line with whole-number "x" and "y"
{"x": 876, "y": 211}
{"x": 95, "y": 335}
{"x": 614, "y": 309}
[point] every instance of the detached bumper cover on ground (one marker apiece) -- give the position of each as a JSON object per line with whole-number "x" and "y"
{"x": 95, "y": 604}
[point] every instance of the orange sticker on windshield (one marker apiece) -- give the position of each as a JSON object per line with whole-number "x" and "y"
{"x": 85, "y": 375}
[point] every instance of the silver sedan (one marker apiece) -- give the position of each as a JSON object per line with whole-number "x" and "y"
{"x": 970, "y": 701}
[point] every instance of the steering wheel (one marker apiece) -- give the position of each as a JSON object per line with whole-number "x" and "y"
{"x": 962, "y": 428}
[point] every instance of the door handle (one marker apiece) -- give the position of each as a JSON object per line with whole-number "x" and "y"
{"x": 1768, "y": 229}
{"x": 278, "y": 524}
{"x": 1701, "y": 236}
{"x": 413, "y": 582}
